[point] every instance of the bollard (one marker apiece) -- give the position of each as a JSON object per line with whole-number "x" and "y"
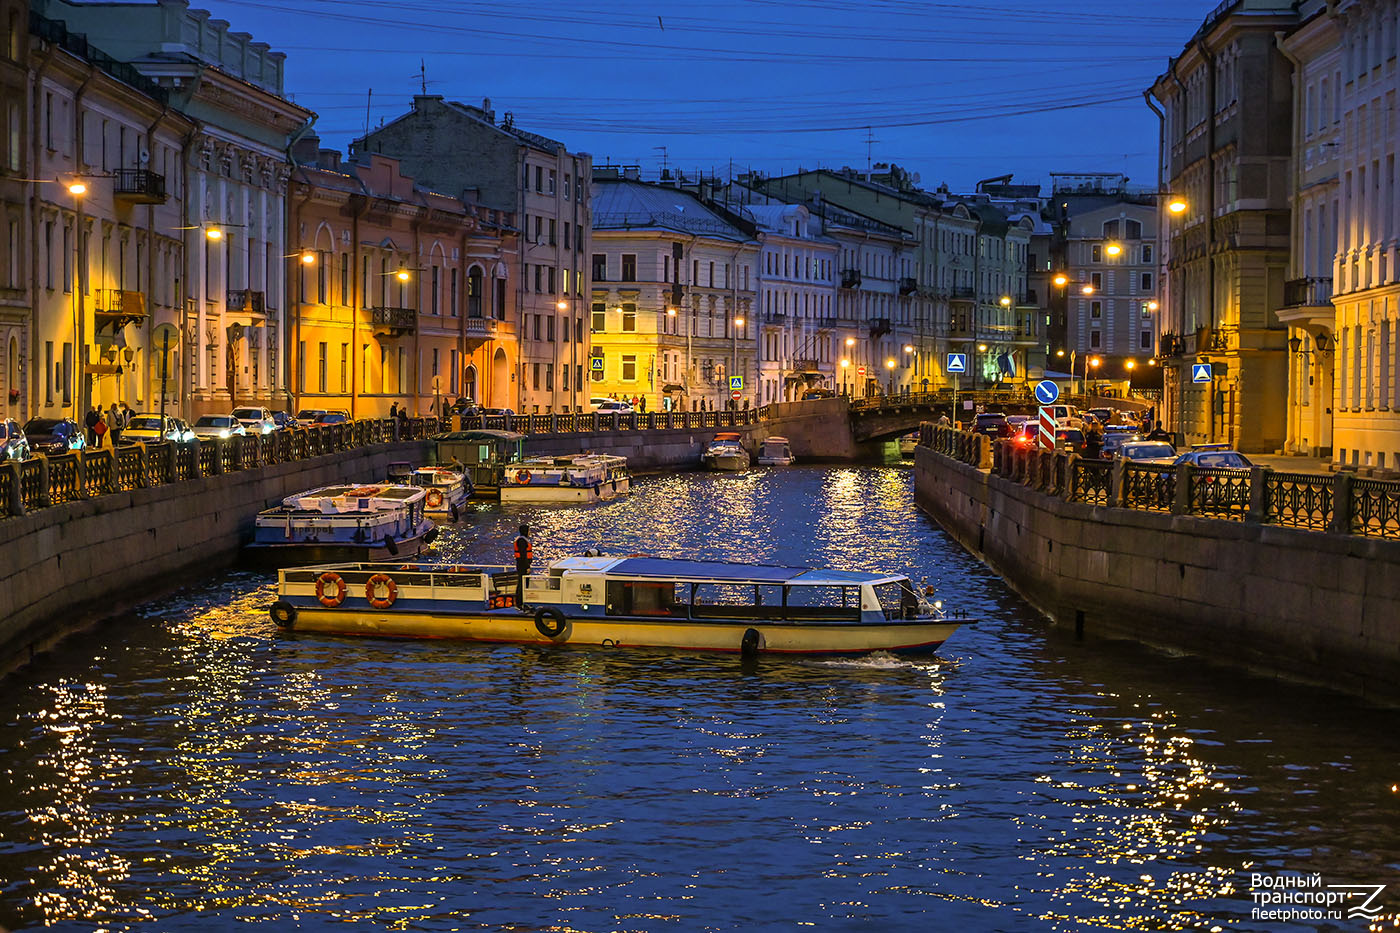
{"x": 1341, "y": 502}
{"x": 16, "y": 503}
{"x": 1258, "y": 495}
{"x": 1181, "y": 500}
{"x": 1117, "y": 487}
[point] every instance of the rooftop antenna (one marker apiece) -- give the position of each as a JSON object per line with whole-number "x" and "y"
{"x": 663, "y": 157}
{"x": 870, "y": 141}
{"x": 369, "y": 96}
{"x": 423, "y": 75}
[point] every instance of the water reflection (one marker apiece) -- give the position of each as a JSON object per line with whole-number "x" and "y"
{"x": 192, "y": 768}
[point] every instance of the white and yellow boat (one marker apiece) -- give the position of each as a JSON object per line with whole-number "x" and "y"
{"x": 566, "y": 478}
{"x": 617, "y": 602}
{"x": 446, "y": 490}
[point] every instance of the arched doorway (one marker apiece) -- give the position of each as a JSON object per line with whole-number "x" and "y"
{"x": 469, "y": 383}
{"x": 500, "y": 379}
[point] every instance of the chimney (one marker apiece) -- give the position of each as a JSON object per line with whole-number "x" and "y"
{"x": 632, "y": 172}
{"x": 328, "y": 159}
{"x": 306, "y": 149}
{"x": 486, "y": 109}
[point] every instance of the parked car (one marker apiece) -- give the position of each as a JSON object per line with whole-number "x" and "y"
{"x": 54, "y": 435}
{"x": 1147, "y": 452}
{"x": 1113, "y": 441}
{"x": 818, "y": 393}
{"x": 992, "y": 424}
{"x": 1215, "y": 456}
{"x": 219, "y": 426}
{"x": 309, "y": 416}
{"x": 595, "y": 401}
{"x": 334, "y": 416}
{"x": 284, "y": 420}
{"x": 494, "y": 412}
{"x": 153, "y": 428}
{"x": 13, "y": 444}
{"x": 612, "y": 405}
{"x": 1027, "y": 434}
{"x": 1070, "y": 439}
{"x": 1066, "y": 416}
{"x": 256, "y": 420}
{"x": 1101, "y": 415}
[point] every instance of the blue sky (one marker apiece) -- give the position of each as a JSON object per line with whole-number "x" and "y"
{"x": 953, "y": 91}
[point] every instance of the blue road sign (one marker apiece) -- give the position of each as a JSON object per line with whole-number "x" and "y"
{"x": 1200, "y": 372}
{"x": 957, "y": 362}
{"x": 1046, "y": 392}
{"x": 736, "y": 383}
{"x": 597, "y": 364}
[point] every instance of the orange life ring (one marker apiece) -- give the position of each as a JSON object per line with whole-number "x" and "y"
{"x": 373, "y": 584}
{"x": 522, "y": 477}
{"x": 330, "y": 577}
{"x": 434, "y": 498}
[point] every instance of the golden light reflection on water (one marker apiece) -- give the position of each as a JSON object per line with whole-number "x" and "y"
{"x": 209, "y": 771}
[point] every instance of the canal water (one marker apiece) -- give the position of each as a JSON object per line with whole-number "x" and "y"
{"x": 189, "y": 768}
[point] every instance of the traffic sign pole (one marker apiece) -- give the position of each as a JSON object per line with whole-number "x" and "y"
{"x": 1046, "y": 435}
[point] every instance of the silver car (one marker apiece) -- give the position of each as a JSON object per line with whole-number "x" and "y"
{"x": 256, "y": 420}
{"x": 219, "y": 426}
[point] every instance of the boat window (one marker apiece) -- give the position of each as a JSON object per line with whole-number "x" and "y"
{"x": 898, "y": 599}
{"x": 821, "y": 603}
{"x": 647, "y": 598}
{"x": 737, "y": 601}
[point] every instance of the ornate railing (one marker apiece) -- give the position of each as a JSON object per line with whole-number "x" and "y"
{"x": 186, "y": 461}
{"x": 99, "y": 473}
{"x": 1219, "y": 493}
{"x": 1341, "y": 503}
{"x": 207, "y": 457}
{"x": 64, "y": 474}
{"x": 128, "y": 468}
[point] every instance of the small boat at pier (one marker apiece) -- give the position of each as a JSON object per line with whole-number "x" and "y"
{"x": 446, "y": 489}
{"x": 486, "y": 453}
{"x": 776, "y": 451}
{"x": 725, "y": 452}
{"x": 907, "y": 443}
{"x": 568, "y": 478}
{"x": 371, "y": 522}
{"x": 616, "y": 602}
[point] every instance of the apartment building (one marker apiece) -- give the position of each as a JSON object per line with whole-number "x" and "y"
{"x": 457, "y": 148}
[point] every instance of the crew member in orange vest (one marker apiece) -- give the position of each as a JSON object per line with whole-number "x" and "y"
{"x": 524, "y": 554}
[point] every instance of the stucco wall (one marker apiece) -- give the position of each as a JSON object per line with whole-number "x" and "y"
{"x": 65, "y": 566}
{"x": 1314, "y": 607}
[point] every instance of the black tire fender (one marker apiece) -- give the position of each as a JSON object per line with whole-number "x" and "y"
{"x": 550, "y": 622}
{"x": 391, "y": 545}
{"x": 751, "y": 643}
{"x": 284, "y": 614}
{"x": 431, "y": 535}
{"x": 456, "y": 516}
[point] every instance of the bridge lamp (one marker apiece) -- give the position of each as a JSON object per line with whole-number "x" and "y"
{"x": 850, "y": 341}
{"x": 1059, "y": 352}
{"x": 889, "y": 364}
{"x": 307, "y": 257}
{"x": 1094, "y": 361}
{"x": 845, "y": 364}
{"x": 908, "y": 348}
{"x": 1131, "y": 365}
{"x": 1061, "y": 280}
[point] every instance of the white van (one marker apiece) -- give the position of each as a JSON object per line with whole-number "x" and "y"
{"x": 1066, "y": 416}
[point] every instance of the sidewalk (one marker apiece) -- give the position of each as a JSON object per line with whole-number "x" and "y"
{"x": 1290, "y": 464}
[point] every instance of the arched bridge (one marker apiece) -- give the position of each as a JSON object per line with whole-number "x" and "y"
{"x": 883, "y": 417}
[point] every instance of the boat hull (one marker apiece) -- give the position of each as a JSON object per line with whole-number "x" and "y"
{"x": 727, "y": 463}
{"x": 296, "y": 553}
{"x": 776, "y": 461}
{"x": 516, "y": 627}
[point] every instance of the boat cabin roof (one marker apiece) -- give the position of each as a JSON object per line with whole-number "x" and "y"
{"x": 480, "y": 434}
{"x": 716, "y": 571}
{"x": 727, "y": 436}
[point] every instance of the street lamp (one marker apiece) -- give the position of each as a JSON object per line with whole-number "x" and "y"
{"x": 1176, "y": 205}
{"x": 1060, "y": 280}
{"x": 1089, "y": 361}
{"x": 1113, "y": 249}
{"x": 734, "y": 356}
{"x": 1086, "y": 289}
{"x": 845, "y": 365}
{"x": 889, "y": 366}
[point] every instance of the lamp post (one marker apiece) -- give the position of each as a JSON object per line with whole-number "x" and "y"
{"x": 845, "y": 367}
{"x": 734, "y": 355}
{"x": 977, "y": 367}
{"x": 908, "y": 359}
{"x": 889, "y": 367}
{"x": 850, "y": 343}
{"x": 81, "y": 387}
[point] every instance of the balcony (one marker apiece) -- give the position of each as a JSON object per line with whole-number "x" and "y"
{"x": 960, "y": 329}
{"x": 482, "y": 328}
{"x": 806, "y": 366}
{"x": 962, "y": 293}
{"x": 1308, "y": 301}
{"x": 776, "y": 318}
{"x": 138, "y": 186}
{"x": 244, "y": 300}
{"x": 879, "y": 327}
{"x": 394, "y": 321}
{"x": 114, "y": 308}
{"x": 908, "y": 285}
{"x": 1170, "y": 346}
{"x": 850, "y": 278}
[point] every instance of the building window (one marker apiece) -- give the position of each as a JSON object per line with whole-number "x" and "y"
{"x": 537, "y": 331}
{"x": 1147, "y": 281}
{"x": 549, "y": 329}
{"x": 535, "y": 376}
{"x": 1096, "y": 253}
{"x": 1146, "y": 252}
{"x": 600, "y": 318}
{"x": 452, "y": 292}
{"x": 321, "y": 371}
{"x": 539, "y": 189}
{"x": 629, "y": 319}
{"x": 1147, "y": 340}
{"x": 1094, "y": 339}
{"x": 500, "y": 299}
{"x": 344, "y": 368}
{"x": 1096, "y": 280}
{"x": 549, "y": 377}
{"x": 1096, "y": 309}
{"x": 435, "y": 302}
{"x": 600, "y": 267}
{"x": 629, "y": 267}
{"x": 629, "y": 369}
{"x": 552, "y": 178}
{"x": 474, "y": 284}
{"x": 1132, "y": 230}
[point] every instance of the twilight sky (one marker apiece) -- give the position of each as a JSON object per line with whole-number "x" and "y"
{"x": 955, "y": 91}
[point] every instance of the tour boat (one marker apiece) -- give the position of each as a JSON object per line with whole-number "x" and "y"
{"x": 486, "y": 454}
{"x": 373, "y": 522}
{"x": 725, "y": 453}
{"x": 907, "y": 443}
{"x": 776, "y": 451}
{"x": 620, "y": 602}
{"x": 568, "y": 478}
{"x": 447, "y": 488}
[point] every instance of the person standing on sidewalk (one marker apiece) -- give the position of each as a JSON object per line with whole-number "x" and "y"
{"x": 524, "y": 556}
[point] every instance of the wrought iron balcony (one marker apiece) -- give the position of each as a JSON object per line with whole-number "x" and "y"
{"x": 138, "y": 186}
{"x": 879, "y": 327}
{"x": 908, "y": 285}
{"x": 850, "y": 278}
{"x": 806, "y": 366}
{"x": 962, "y": 293}
{"x": 775, "y": 317}
{"x": 114, "y": 308}
{"x": 396, "y": 320}
{"x": 1312, "y": 292}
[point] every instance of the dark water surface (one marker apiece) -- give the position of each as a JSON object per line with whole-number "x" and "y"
{"x": 190, "y": 769}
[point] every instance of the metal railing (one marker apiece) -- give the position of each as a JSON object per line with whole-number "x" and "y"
{"x": 41, "y": 481}
{"x": 1340, "y": 503}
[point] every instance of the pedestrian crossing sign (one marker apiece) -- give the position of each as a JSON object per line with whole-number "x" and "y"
{"x": 1200, "y": 372}
{"x": 597, "y": 364}
{"x": 957, "y": 362}
{"x": 736, "y": 383}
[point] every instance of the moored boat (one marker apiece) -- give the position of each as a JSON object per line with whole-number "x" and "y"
{"x": 907, "y": 443}
{"x": 486, "y": 454}
{"x": 725, "y": 452}
{"x": 568, "y": 478}
{"x": 635, "y": 602}
{"x": 446, "y": 490}
{"x": 776, "y": 451}
{"x": 334, "y": 523}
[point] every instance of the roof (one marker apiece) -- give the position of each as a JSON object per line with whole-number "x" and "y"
{"x": 632, "y": 205}
{"x": 480, "y": 435}
{"x": 725, "y": 571}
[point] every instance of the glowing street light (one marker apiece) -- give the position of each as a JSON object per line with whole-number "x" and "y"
{"x": 1152, "y": 306}
{"x": 1131, "y": 365}
{"x": 562, "y": 306}
{"x": 908, "y": 348}
{"x": 1006, "y": 301}
{"x": 1113, "y": 249}
{"x": 214, "y": 233}
{"x": 1061, "y": 280}
{"x": 1087, "y": 289}
{"x": 850, "y": 341}
{"x": 671, "y": 312}
{"x": 1176, "y": 206}
{"x": 402, "y": 275}
{"x": 77, "y": 187}
{"x": 981, "y": 348}
{"x": 307, "y": 257}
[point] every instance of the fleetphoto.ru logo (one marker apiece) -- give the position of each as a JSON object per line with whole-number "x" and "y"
{"x": 1308, "y": 897}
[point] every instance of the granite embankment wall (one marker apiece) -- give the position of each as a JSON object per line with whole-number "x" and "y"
{"x": 67, "y": 565}
{"x": 1308, "y": 606}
